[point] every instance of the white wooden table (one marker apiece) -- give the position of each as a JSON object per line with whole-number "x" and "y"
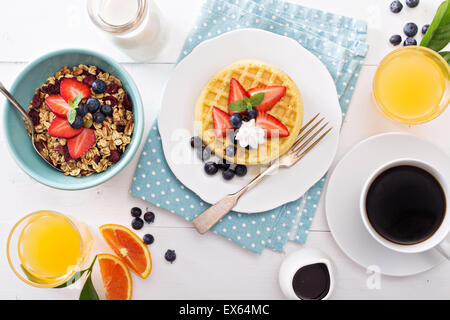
{"x": 207, "y": 267}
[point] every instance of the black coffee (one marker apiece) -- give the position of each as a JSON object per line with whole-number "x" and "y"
{"x": 405, "y": 204}
{"x": 312, "y": 282}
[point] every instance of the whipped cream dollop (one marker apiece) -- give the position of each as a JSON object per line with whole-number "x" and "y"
{"x": 250, "y": 135}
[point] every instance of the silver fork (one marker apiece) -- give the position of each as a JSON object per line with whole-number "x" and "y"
{"x": 306, "y": 140}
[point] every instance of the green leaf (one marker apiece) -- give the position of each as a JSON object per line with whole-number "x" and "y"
{"x": 238, "y": 105}
{"x": 71, "y": 115}
{"x": 88, "y": 292}
{"x": 77, "y": 100}
{"x": 257, "y": 99}
{"x": 445, "y": 55}
{"x": 77, "y": 276}
{"x": 438, "y": 34}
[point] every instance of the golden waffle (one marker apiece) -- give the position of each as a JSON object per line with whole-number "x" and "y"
{"x": 251, "y": 74}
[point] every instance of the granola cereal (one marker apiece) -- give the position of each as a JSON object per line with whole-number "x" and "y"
{"x": 112, "y": 136}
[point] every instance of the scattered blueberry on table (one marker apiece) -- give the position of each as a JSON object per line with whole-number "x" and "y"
{"x": 148, "y": 238}
{"x": 136, "y": 212}
{"x": 149, "y": 217}
{"x": 410, "y": 29}
{"x": 170, "y": 255}
{"x": 395, "y": 40}
{"x": 396, "y": 6}
{"x": 240, "y": 170}
{"x": 228, "y": 174}
{"x": 412, "y": 3}
{"x": 137, "y": 223}
{"x": 196, "y": 142}
{"x": 409, "y": 42}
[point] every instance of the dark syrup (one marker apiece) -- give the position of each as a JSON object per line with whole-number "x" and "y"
{"x": 405, "y": 204}
{"x": 312, "y": 282}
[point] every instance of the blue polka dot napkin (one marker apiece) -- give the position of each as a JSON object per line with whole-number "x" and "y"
{"x": 338, "y": 41}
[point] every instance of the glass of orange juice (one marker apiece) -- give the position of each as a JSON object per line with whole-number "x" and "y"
{"x": 46, "y": 248}
{"x": 412, "y": 85}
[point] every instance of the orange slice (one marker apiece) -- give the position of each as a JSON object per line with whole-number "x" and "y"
{"x": 129, "y": 247}
{"x": 116, "y": 277}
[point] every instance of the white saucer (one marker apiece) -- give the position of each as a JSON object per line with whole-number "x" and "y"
{"x": 342, "y": 201}
{"x": 176, "y": 119}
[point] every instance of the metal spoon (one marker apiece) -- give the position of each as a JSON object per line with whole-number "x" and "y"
{"x": 28, "y": 119}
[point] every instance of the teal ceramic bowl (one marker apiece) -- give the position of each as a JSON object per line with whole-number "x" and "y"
{"x": 23, "y": 88}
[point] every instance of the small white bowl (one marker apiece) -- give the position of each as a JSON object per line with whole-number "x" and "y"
{"x": 296, "y": 260}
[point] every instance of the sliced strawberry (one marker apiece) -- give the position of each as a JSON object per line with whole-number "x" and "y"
{"x": 60, "y": 128}
{"x": 70, "y": 88}
{"x": 80, "y": 144}
{"x": 237, "y": 92}
{"x": 272, "y": 95}
{"x": 58, "y": 105}
{"x": 221, "y": 122}
{"x": 271, "y": 125}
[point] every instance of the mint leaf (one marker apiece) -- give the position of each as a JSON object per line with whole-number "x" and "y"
{"x": 71, "y": 115}
{"x": 238, "y": 105}
{"x": 438, "y": 34}
{"x": 77, "y": 100}
{"x": 257, "y": 99}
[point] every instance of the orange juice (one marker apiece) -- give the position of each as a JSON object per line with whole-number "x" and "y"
{"x": 411, "y": 85}
{"x": 50, "y": 246}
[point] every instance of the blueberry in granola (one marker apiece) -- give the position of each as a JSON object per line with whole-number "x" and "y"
{"x": 93, "y": 104}
{"x": 77, "y": 123}
{"x": 99, "y": 86}
{"x": 82, "y": 109}
{"x": 106, "y": 109}
{"x": 98, "y": 117}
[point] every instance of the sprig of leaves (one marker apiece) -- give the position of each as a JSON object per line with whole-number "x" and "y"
{"x": 247, "y": 103}
{"x": 438, "y": 34}
{"x": 88, "y": 291}
{"x": 71, "y": 115}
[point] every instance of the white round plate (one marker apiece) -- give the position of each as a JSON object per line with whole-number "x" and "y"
{"x": 176, "y": 118}
{"x": 343, "y": 194}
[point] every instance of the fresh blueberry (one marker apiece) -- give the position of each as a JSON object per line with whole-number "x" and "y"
{"x": 395, "y": 40}
{"x": 412, "y": 3}
{"x": 170, "y": 255}
{"x": 211, "y": 168}
{"x": 98, "y": 117}
{"x": 223, "y": 165}
{"x": 82, "y": 109}
{"x": 77, "y": 123}
{"x": 396, "y": 6}
{"x": 99, "y": 86}
{"x": 409, "y": 42}
{"x": 228, "y": 174}
{"x": 93, "y": 104}
{"x": 251, "y": 114}
{"x": 410, "y": 29}
{"x": 196, "y": 142}
{"x": 106, "y": 110}
{"x": 236, "y": 120}
{"x": 425, "y": 28}
{"x": 136, "y": 212}
{"x": 230, "y": 151}
{"x": 203, "y": 153}
{"x": 240, "y": 170}
{"x": 137, "y": 223}
{"x": 149, "y": 217}
{"x": 148, "y": 238}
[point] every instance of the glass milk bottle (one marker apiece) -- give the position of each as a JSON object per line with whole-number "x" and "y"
{"x": 132, "y": 25}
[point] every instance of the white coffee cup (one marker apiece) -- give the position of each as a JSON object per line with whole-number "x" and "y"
{"x": 438, "y": 239}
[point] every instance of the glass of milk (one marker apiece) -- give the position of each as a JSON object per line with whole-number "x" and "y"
{"x": 132, "y": 25}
